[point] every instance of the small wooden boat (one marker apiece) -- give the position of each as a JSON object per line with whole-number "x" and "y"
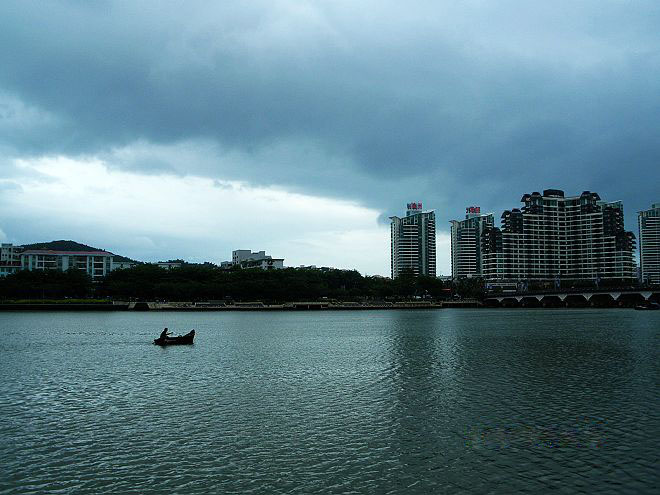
{"x": 186, "y": 339}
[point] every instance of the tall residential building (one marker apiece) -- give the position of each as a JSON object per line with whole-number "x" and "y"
{"x": 466, "y": 237}
{"x": 649, "y": 244}
{"x": 413, "y": 242}
{"x": 553, "y": 237}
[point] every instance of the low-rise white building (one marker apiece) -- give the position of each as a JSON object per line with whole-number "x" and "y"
{"x": 97, "y": 264}
{"x": 169, "y": 265}
{"x": 122, "y": 263}
{"x": 265, "y": 264}
{"x": 10, "y": 259}
{"x": 247, "y": 259}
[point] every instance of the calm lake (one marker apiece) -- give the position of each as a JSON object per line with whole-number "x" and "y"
{"x": 422, "y": 401}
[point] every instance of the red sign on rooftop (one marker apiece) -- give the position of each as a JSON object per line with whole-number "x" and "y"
{"x": 473, "y": 209}
{"x": 415, "y": 206}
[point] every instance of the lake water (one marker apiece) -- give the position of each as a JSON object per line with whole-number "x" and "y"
{"x": 435, "y": 401}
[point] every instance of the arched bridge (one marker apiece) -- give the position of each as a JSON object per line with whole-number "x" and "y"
{"x": 612, "y": 297}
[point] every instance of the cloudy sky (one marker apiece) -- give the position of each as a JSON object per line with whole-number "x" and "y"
{"x": 187, "y": 129}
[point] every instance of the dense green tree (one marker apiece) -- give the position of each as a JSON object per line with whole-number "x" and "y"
{"x": 208, "y": 282}
{"x": 48, "y": 284}
{"x": 204, "y": 282}
{"x": 470, "y": 288}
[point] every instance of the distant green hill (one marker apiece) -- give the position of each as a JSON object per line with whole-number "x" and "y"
{"x": 63, "y": 245}
{"x": 117, "y": 258}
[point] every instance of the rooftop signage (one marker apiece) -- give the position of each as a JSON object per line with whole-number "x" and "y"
{"x": 473, "y": 209}
{"x": 414, "y": 206}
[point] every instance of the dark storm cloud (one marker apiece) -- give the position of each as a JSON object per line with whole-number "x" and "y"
{"x": 476, "y": 103}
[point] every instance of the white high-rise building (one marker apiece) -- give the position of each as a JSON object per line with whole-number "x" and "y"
{"x": 649, "y": 244}
{"x": 413, "y": 242}
{"x": 466, "y": 235}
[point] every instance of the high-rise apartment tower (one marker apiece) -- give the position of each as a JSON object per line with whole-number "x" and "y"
{"x": 413, "y": 242}
{"x": 649, "y": 244}
{"x": 466, "y": 236}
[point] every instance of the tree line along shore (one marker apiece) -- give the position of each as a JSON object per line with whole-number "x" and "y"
{"x": 202, "y": 287}
{"x": 197, "y": 283}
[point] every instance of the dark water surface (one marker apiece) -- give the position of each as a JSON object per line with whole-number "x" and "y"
{"x": 445, "y": 401}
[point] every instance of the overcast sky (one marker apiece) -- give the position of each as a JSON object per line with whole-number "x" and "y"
{"x": 185, "y": 129}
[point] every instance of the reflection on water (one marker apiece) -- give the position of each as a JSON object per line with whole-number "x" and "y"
{"x": 451, "y": 401}
{"x": 585, "y": 433}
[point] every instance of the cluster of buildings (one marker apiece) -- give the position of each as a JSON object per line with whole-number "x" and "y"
{"x": 550, "y": 238}
{"x": 97, "y": 263}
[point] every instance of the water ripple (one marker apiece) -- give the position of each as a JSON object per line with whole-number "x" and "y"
{"x": 455, "y": 401}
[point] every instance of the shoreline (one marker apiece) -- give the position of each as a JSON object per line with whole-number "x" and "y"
{"x": 248, "y": 306}
{"x": 295, "y": 306}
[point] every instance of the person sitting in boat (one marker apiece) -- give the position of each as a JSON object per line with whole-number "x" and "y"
{"x": 164, "y": 334}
